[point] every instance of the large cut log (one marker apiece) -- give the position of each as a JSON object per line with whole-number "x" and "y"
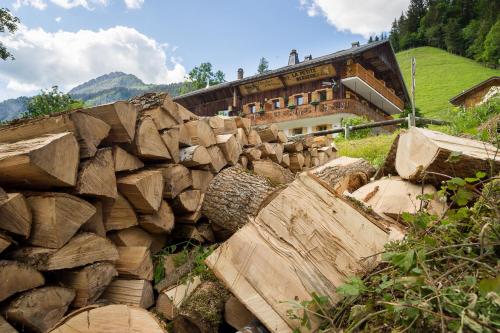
{"x": 95, "y": 224}
{"x": 194, "y": 156}
{"x": 200, "y": 133}
{"x": 234, "y": 195}
{"x": 148, "y": 143}
{"x": 161, "y": 117}
{"x": 236, "y": 314}
{"x": 176, "y": 179}
{"x": 17, "y": 277}
{"x": 114, "y": 318}
{"x": 121, "y": 116}
{"x": 217, "y": 159}
{"x": 49, "y": 160}
{"x": 267, "y": 133}
{"x": 118, "y": 214}
{"x": 203, "y": 311}
{"x": 345, "y": 173}
{"x": 5, "y": 326}
{"x": 169, "y": 301}
{"x": 201, "y": 179}
{"x": 96, "y": 177}
{"x": 230, "y": 147}
{"x": 39, "y": 309}
{"x": 160, "y": 222}
{"x": 124, "y": 161}
{"x": 425, "y": 153}
{"x": 89, "y": 282}
{"x": 253, "y": 138}
{"x": 274, "y": 172}
{"x": 171, "y": 140}
{"x": 81, "y": 250}
{"x": 15, "y": 214}
{"x": 135, "y": 262}
{"x": 144, "y": 190}
{"x": 131, "y": 292}
{"x": 56, "y": 218}
{"x": 187, "y": 202}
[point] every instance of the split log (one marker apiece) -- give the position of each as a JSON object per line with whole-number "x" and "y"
{"x": 267, "y": 133}
{"x": 174, "y": 271}
{"x": 253, "y": 154}
{"x": 253, "y": 138}
{"x": 114, "y": 318}
{"x": 15, "y": 215}
{"x": 118, "y": 214}
{"x": 135, "y": 262}
{"x": 176, "y": 179}
{"x": 201, "y": 133}
{"x": 194, "y": 156}
{"x": 244, "y": 123}
{"x": 236, "y": 314}
{"x": 90, "y": 132}
{"x": 130, "y": 292}
{"x": 191, "y": 218}
{"x": 230, "y": 126}
{"x": 217, "y": 159}
{"x": 134, "y": 236}
{"x": 171, "y": 140}
{"x": 243, "y": 161}
{"x": 345, "y": 173}
{"x": 95, "y": 224}
{"x": 144, "y": 190}
{"x": 241, "y": 137}
{"x": 148, "y": 143}
{"x": 328, "y": 151}
{"x": 234, "y": 195}
{"x": 423, "y": 153}
{"x": 89, "y": 282}
{"x": 96, "y": 177}
{"x": 185, "y": 114}
{"x": 307, "y": 159}
{"x": 285, "y": 161}
{"x": 293, "y": 147}
{"x": 230, "y": 147}
{"x": 5, "y": 242}
{"x": 169, "y": 301}
{"x": 184, "y": 137}
{"x": 282, "y": 138}
{"x": 160, "y": 222}
{"x": 216, "y": 123}
{"x": 322, "y": 157}
{"x": 274, "y": 172}
{"x": 188, "y": 201}
{"x": 296, "y": 162}
{"x": 124, "y": 161}
{"x": 201, "y": 179}
{"x": 5, "y": 326}
{"x": 17, "y": 277}
{"x": 81, "y": 250}
{"x": 161, "y": 117}
{"x": 39, "y": 309}
{"x": 203, "y": 311}
{"x": 49, "y": 160}
{"x": 266, "y": 149}
{"x": 56, "y": 218}
{"x": 121, "y": 116}
{"x": 277, "y": 157}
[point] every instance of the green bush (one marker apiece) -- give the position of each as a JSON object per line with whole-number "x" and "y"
{"x": 353, "y": 121}
{"x": 51, "y": 101}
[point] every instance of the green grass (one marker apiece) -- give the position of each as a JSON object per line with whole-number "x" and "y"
{"x": 373, "y": 149}
{"x": 440, "y": 76}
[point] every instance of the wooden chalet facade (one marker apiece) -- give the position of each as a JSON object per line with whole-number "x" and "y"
{"x": 473, "y": 96}
{"x": 313, "y": 94}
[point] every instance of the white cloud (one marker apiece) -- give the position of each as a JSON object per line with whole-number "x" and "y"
{"x": 88, "y": 4}
{"x": 68, "y": 4}
{"x": 134, "y": 4}
{"x": 38, "y": 4}
{"x": 58, "y": 19}
{"x": 363, "y": 17}
{"x": 66, "y": 59}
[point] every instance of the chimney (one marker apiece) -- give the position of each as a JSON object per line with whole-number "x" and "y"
{"x": 355, "y": 44}
{"x": 294, "y": 58}
{"x": 240, "y": 73}
{"x": 307, "y": 58}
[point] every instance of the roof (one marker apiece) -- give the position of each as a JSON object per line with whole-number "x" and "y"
{"x": 456, "y": 100}
{"x": 348, "y": 53}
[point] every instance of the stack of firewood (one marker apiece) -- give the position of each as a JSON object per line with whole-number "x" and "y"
{"x": 87, "y": 198}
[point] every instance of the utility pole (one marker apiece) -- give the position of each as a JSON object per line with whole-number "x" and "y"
{"x": 413, "y": 71}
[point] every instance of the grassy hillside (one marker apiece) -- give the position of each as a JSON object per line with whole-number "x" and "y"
{"x": 440, "y": 76}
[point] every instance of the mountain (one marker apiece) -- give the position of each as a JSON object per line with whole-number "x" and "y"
{"x": 440, "y": 76}
{"x": 104, "y": 89}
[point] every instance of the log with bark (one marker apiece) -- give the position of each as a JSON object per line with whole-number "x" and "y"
{"x": 130, "y": 292}
{"x": 144, "y": 189}
{"x": 17, "y": 277}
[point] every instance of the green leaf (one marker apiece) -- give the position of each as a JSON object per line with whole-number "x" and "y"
{"x": 454, "y": 157}
{"x": 488, "y": 285}
{"x": 404, "y": 260}
{"x": 462, "y": 196}
{"x": 480, "y": 174}
{"x": 471, "y": 180}
{"x": 457, "y": 181}
{"x": 354, "y": 287}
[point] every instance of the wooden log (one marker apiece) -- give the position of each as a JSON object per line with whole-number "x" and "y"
{"x": 144, "y": 189}
{"x": 187, "y": 232}
{"x": 89, "y": 131}
{"x": 201, "y": 133}
{"x": 230, "y": 148}
{"x": 88, "y": 282}
{"x": 194, "y": 156}
{"x": 124, "y": 161}
{"x": 5, "y": 326}
{"x": 133, "y": 236}
{"x": 160, "y": 222}
{"x": 244, "y": 123}
{"x": 94, "y": 248}
{"x": 272, "y": 171}
{"x": 201, "y": 179}
{"x": 285, "y": 161}
{"x": 118, "y": 214}
{"x": 296, "y": 162}
{"x": 241, "y": 137}
{"x": 282, "y": 138}
{"x": 120, "y": 116}
{"x": 236, "y": 314}
{"x": 95, "y": 224}
{"x": 96, "y": 176}
{"x": 176, "y": 179}
{"x": 216, "y": 123}
{"x": 198, "y": 315}
{"x": 267, "y": 133}
{"x": 15, "y": 215}
{"x": 169, "y": 301}
{"x": 277, "y": 157}
{"x": 184, "y": 136}
{"x": 253, "y": 138}
{"x": 234, "y": 195}
{"x": 148, "y": 143}
{"x": 5, "y": 242}
{"x": 293, "y": 147}
{"x": 217, "y": 159}
{"x": 191, "y": 218}
{"x": 313, "y": 152}
{"x": 135, "y": 262}
{"x": 171, "y": 140}
{"x": 161, "y": 117}
{"x": 185, "y": 114}
{"x": 49, "y": 160}
{"x": 243, "y": 161}
{"x": 206, "y": 231}
{"x": 266, "y": 150}
{"x": 423, "y": 153}
{"x": 116, "y": 318}
{"x": 56, "y": 218}
{"x": 17, "y": 277}
{"x": 187, "y": 202}
{"x": 130, "y": 292}
{"x": 307, "y": 159}
{"x": 39, "y": 309}
{"x": 323, "y": 158}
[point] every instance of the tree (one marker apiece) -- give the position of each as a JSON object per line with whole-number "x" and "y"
{"x": 201, "y": 76}
{"x": 263, "y": 66}
{"x": 51, "y": 101}
{"x": 453, "y": 37}
{"x": 491, "y": 52}
{"x": 370, "y": 40}
{"x": 7, "y": 22}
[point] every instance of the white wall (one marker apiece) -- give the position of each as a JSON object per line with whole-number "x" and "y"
{"x": 310, "y": 123}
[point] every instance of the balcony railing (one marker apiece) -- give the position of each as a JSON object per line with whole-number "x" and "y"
{"x": 365, "y": 75}
{"x": 324, "y": 108}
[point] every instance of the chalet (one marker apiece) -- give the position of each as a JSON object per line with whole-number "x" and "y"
{"x": 472, "y": 96}
{"x": 313, "y": 94}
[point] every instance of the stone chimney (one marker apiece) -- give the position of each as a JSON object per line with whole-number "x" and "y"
{"x": 240, "y": 73}
{"x": 307, "y": 58}
{"x": 294, "y": 58}
{"x": 355, "y": 44}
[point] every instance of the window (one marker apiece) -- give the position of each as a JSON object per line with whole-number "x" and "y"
{"x": 297, "y": 131}
{"x": 223, "y": 113}
{"x": 299, "y": 100}
{"x": 252, "y": 108}
{"x": 322, "y": 95}
{"x": 276, "y": 104}
{"x": 320, "y": 128}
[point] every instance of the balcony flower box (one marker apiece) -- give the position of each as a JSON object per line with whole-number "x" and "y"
{"x": 291, "y": 106}
{"x": 314, "y": 103}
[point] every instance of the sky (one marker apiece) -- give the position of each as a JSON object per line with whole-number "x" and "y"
{"x": 68, "y": 42}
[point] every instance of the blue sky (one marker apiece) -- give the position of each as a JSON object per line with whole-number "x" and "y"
{"x": 67, "y": 42}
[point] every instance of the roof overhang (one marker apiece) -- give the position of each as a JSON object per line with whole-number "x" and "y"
{"x": 363, "y": 89}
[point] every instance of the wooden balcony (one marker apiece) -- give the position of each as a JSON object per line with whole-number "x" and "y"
{"x": 324, "y": 108}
